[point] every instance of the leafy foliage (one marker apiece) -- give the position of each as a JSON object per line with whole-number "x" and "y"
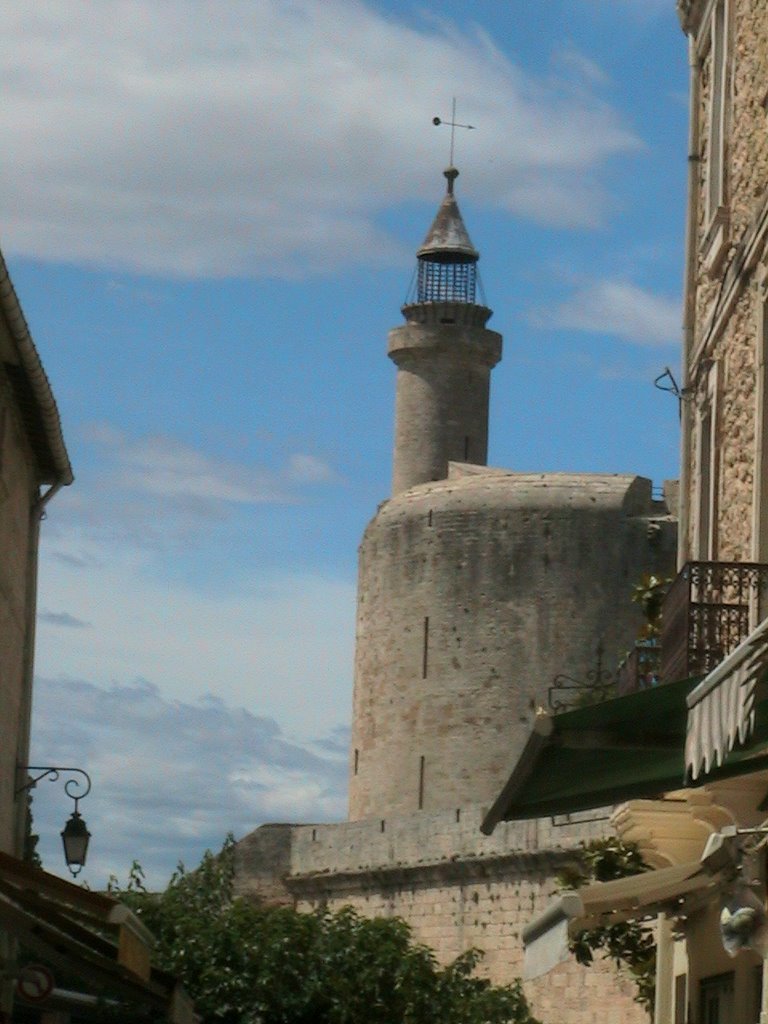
{"x": 629, "y": 943}
{"x": 649, "y": 593}
{"x": 246, "y": 963}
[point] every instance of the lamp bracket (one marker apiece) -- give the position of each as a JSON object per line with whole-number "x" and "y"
{"x": 75, "y": 789}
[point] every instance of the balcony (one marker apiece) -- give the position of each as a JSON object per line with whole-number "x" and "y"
{"x": 707, "y": 612}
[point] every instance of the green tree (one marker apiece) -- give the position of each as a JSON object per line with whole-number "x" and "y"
{"x": 246, "y": 963}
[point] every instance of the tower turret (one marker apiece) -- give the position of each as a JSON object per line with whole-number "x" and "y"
{"x": 444, "y": 355}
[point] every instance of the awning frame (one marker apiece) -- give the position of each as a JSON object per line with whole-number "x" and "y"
{"x": 71, "y": 928}
{"x": 721, "y": 709}
{"x": 680, "y": 889}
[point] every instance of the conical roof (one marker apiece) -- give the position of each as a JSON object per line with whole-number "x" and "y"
{"x": 448, "y": 238}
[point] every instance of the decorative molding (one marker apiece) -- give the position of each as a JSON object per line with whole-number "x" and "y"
{"x": 716, "y": 242}
{"x": 691, "y": 14}
{"x": 746, "y": 256}
{"x": 666, "y": 831}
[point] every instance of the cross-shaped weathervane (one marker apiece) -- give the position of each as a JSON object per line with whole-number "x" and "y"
{"x": 454, "y": 124}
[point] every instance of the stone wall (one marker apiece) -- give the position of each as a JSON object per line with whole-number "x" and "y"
{"x": 723, "y": 291}
{"x": 442, "y": 395}
{"x": 474, "y": 593}
{"x": 455, "y": 887}
{"x": 17, "y": 492}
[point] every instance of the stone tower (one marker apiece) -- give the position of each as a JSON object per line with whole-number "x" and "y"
{"x": 444, "y": 355}
{"x": 477, "y": 586}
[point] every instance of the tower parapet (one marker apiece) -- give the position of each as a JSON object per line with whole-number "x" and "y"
{"x": 444, "y": 356}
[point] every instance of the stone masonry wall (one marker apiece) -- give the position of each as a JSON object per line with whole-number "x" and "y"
{"x": 17, "y": 489}
{"x": 474, "y": 594}
{"x": 736, "y": 351}
{"x": 455, "y": 887}
{"x": 442, "y": 395}
{"x": 726, "y": 298}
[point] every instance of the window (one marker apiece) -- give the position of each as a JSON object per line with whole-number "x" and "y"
{"x": 717, "y": 110}
{"x": 714, "y": 46}
{"x": 681, "y": 1002}
{"x": 760, "y": 500}
{"x": 716, "y": 1000}
{"x": 705, "y": 522}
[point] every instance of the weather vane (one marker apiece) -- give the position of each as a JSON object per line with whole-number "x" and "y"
{"x": 454, "y": 124}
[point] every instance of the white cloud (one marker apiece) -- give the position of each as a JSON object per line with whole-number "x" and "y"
{"x": 132, "y": 552}
{"x": 260, "y": 137}
{"x": 616, "y": 308}
{"x": 170, "y": 777}
{"x": 578, "y": 65}
{"x": 157, "y": 489}
{"x": 262, "y": 644}
{"x": 309, "y": 469}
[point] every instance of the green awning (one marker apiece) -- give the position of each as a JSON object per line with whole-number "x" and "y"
{"x": 628, "y": 748}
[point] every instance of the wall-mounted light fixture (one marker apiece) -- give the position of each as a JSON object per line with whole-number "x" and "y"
{"x": 75, "y": 834}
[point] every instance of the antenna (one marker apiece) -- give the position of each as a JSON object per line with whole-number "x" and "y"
{"x": 454, "y": 124}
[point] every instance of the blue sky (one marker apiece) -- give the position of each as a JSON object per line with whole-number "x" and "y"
{"x": 210, "y": 212}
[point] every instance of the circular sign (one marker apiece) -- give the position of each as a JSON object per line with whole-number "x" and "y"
{"x": 35, "y": 983}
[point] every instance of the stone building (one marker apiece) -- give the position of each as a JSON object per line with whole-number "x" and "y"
{"x": 33, "y": 466}
{"x": 725, "y": 360}
{"x": 480, "y": 590}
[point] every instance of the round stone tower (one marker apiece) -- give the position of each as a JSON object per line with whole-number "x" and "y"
{"x": 444, "y": 355}
{"x": 478, "y": 586}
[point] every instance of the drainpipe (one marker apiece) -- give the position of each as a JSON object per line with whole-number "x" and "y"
{"x": 689, "y": 307}
{"x": 36, "y": 514}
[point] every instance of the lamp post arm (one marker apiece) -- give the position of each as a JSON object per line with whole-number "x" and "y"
{"x": 53, "y": 772}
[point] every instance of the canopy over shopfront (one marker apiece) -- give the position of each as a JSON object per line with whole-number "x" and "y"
{"x": 88, "y": 936}
{"x": 628, "y": 748}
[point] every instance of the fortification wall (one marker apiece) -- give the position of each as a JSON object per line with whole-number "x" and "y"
{"x": 473, "y": 594}
{"x": 454, "y": 886}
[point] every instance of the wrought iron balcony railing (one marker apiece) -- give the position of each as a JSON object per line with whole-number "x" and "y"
{"x": 707, "y": 612}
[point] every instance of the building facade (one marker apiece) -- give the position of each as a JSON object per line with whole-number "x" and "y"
{"x": 33, "y": 466}
{"x": 724, "y": 504}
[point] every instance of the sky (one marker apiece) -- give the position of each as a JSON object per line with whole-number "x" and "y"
{"x": 210, "y": 212}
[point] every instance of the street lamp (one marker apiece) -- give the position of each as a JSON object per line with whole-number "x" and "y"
{"x": 75, "y": 834}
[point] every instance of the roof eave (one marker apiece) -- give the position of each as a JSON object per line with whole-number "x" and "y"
{"x": 29, "y": 359}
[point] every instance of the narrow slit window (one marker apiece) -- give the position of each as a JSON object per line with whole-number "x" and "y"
{"x": 357, "y": 761}
{"x": 425, "y": 650}
{"x": 715, "y": 193}
{"x": 421, "y": 783}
